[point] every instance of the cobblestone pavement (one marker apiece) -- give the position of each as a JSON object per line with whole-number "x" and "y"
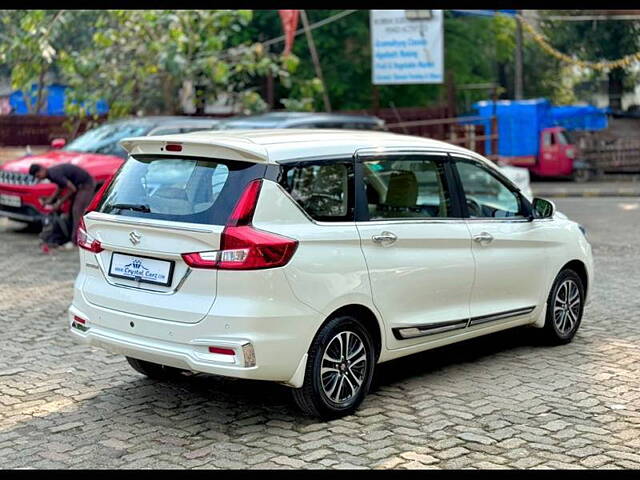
{"x": 502, "y": 401}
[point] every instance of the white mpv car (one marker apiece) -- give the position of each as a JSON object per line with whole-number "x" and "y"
{"x": 307, "y": 257}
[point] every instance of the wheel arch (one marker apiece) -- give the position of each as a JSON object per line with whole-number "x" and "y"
{"x": 366, "y": 316}
{"x": 580, "y": 268}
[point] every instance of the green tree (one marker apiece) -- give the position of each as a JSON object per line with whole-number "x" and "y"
{"x": 140, "y": 60}
{"x": 596, "y": 41}
{"x": 27, "y": 39}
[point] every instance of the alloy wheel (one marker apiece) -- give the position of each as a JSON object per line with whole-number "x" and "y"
{"x": 566, "y": 307}
{"x": 343, "y": 368}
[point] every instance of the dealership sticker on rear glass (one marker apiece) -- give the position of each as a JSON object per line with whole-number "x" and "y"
{"x": 141, "y": 269}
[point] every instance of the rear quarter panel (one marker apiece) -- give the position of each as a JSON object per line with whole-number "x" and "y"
{"x": 328, "y": 270}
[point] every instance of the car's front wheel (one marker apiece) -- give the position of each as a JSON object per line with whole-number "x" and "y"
{"x": 339, "y": 369}
{"x": 153, "y": 370}
{"x": 565, "y": 305}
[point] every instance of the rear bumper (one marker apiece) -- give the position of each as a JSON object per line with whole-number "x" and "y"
{"x": 194, "y": 356}
{"x": 268, "y": 347}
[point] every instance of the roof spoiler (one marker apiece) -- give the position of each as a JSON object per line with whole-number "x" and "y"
{"x": 213, "y": 147}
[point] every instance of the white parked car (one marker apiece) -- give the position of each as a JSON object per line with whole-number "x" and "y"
{"x": 307, "y": 257}
{"x": 520, "y": 178}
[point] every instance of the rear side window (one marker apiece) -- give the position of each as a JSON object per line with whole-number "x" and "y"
{"x": 324, "y": 190}
{"x": 180, "y": 189}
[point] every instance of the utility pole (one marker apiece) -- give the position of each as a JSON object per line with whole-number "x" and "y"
{"x": 316, "y": 60}
{"x": 518, "y": 72}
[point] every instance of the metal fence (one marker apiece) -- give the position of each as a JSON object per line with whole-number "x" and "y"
{"x": 435, "y": 123}
{"x": 611, "y": 156}
{"x": 430, "y": 122}
{"x": 22, "y": 130}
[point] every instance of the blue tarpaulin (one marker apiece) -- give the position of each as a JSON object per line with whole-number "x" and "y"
{"x": 520, "y": 122}
{"x": 54, "y": 104}
{"x": 578, "y": 117}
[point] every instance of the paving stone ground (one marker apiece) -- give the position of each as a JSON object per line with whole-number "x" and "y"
{"x": 502, "y": 401}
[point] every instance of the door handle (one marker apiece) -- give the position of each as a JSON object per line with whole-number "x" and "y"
{"x": 484, "y": 237}
{"x": 385, "y": 238}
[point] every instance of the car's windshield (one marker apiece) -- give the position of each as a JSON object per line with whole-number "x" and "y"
{"x": 104, "y": 139}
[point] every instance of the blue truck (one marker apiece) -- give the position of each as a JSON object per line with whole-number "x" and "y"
{"x": 533, "y": 134}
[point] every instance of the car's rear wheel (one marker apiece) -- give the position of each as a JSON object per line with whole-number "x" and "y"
{"x": 153, "y": 370}
{"x": 565, "y": 305}
{"x": 339, "y": 369}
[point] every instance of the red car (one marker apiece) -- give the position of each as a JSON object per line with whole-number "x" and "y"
{"x": 97, "y": 151}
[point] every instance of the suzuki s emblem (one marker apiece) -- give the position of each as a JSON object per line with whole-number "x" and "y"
{"x": 135, "y": 237}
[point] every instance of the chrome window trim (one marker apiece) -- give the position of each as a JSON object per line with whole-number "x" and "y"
{"x": 375, "y": 151}
{"x": 417, "y": 220}
{"x": 516, "y": 219}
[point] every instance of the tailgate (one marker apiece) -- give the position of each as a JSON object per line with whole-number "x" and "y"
{"x": 141, "y": 270}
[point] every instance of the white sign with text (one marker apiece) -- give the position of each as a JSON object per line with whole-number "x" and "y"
{"x": 406, "y": 50}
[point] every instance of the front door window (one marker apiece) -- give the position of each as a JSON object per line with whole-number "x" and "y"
{"x": 486, "y": 196}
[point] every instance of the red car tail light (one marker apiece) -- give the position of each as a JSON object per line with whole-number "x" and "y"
{"x": 247, "y": 248}
{"x": 86, "y": 241}
{"x": 201, "y": 259}
{"x": 243, "y": 247}
{"x": 243, "y": 212}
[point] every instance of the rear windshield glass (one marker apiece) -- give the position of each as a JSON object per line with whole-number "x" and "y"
{"x": 180, "y": 189}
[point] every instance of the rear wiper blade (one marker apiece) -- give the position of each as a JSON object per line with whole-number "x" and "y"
{"x": 132, "y": 206}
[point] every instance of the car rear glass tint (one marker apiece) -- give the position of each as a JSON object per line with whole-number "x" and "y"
{"x": 180, "y": 189}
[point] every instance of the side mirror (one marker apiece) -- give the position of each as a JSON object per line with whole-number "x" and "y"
{"x": 543, "y": 208}
{"x": 58, "y": 143}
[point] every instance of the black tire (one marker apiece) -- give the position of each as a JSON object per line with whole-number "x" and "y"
{"x": 581, "y": 175}
{"x": 312, "y": 398}
{"x": 153, "y": 370}
{"x": 561, "y": 330}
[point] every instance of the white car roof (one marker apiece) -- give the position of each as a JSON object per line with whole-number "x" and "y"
{"x": 276, "y": 145}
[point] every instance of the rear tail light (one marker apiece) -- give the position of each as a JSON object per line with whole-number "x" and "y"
{"x": 242, "y": 246}
{"x": 201, "y": 259}
{"x": 77, "y": 319}
{"x": 86, "y": 241}
{"x": 243, "y": 212}
{"x": 247, "y": 248}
